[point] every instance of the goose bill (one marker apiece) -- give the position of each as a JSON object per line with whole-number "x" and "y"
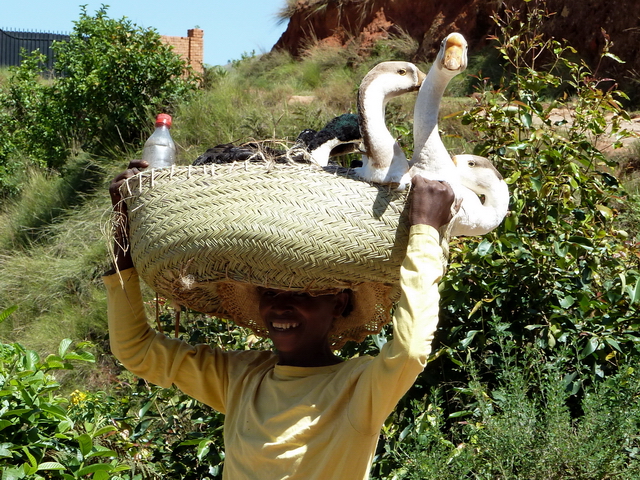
{"x": 453, "y": 56}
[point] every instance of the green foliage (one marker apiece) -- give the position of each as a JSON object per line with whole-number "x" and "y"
{"x": 24, "y": 102}
{"x": 40, "y": 439}
{"x": 559, "y": 270}
{"x": 527, "y": 426}
{"x": 46, "y": 434}
{"x": 111, "y": 78}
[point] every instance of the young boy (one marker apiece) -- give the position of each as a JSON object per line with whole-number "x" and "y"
{"x": 300, "y": 412}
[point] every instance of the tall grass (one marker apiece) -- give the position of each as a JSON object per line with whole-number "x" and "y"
{"x": 44, "y": 199}
{"x": 54, "y": 250}
{"x": 55, "y": 284}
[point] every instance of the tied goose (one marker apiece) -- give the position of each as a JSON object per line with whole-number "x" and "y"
{"x": 339, "y": 137}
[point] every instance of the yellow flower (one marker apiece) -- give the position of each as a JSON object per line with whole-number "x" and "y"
{"x": 77, "y": 397}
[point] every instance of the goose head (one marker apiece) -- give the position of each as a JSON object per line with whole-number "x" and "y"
{"x": 383, "y": 159}
{"x": 390, "y": 79}
{"x": 478, "y": 177}
{"x": 477, "y": 173}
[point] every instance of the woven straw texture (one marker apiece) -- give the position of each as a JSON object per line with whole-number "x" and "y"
{"x": 197, "y": 230}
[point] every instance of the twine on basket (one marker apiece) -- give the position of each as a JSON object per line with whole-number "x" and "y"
{"x": 206, "y": 236}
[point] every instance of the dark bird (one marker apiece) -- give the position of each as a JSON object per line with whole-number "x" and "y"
{"x": 339, "y": 137}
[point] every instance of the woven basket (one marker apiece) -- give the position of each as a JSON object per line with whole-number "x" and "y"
{"x": 279, "y": 226}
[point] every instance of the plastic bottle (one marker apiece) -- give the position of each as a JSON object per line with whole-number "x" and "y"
{"x": 159, "y": 149}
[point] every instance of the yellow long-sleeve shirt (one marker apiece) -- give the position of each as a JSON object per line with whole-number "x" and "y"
{"x": 285, "y": 422}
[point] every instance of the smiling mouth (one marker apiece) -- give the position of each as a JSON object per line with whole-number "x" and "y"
{"x": 281, "y": 327}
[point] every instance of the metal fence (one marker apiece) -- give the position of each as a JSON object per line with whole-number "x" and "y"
{"x": 12, "y": 42}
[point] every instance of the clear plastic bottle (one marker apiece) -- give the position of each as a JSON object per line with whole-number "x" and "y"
{"x": 159, "y": 149}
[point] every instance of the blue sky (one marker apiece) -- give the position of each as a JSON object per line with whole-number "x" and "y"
{"x": 231, "y": 27}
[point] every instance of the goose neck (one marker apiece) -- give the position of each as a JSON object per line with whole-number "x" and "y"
{"x": 430, "y": 95}
{"x": 498, "y": 198}
{"x": 371, "y": 110}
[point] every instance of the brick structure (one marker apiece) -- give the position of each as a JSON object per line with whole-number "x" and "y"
{"x": 190, "y": 48}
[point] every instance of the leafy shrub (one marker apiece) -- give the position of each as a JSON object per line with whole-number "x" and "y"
{"x": 111, "y": 78}
{"x": 524, "y": 427}
{"x": 113, "y": 75}
{"x": 46, "y": 434}
{"x": 23, "y": 106}
{"x": 559, "y": 270}
{"x": 40, "y": 439}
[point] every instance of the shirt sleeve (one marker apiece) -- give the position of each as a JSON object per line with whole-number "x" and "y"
{"x": 199, "y": 371}
{"x": 388, "y": 377}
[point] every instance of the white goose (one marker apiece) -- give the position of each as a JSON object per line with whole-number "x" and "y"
{"x": 478, "y": 176}
{"x": 383, "y": 160}
{"x": 468, "y": 175}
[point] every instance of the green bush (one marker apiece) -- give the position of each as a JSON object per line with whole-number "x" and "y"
{"x": 24, "y": 122}
{"x": 559, "y": 270}
{"x": 527, "y": 427}
{"x": 560, "y": 277}
{"x": 40, "y": 439}
{"x": 111, "y": 78}
{"x": 146, "y": 432}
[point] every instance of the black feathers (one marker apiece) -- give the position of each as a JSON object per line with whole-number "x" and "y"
{"x": 229, "y": 153}
{"x": 344, "y": 128}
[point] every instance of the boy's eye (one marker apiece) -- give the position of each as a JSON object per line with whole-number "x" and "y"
{"x": 266, "y": 292}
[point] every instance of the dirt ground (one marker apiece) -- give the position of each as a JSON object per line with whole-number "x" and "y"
{"x": 604, "y": 143}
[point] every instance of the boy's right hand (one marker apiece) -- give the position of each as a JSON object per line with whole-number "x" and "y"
{"x": 121, "y": 250}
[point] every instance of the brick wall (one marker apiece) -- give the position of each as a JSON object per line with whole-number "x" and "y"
{"x": 191, "y": 47}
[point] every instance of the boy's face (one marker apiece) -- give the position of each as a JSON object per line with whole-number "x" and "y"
{"x": 298, "y": 321}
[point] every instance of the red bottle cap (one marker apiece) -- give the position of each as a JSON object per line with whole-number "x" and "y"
{"x": 163, "y": 119}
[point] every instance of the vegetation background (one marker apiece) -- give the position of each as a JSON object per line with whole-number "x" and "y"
{"x": 535, "y": 368}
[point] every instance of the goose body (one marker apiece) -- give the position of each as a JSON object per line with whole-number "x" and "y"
{"x": 383, "y": 160}
{"x": 338, "y": 137}
{"x": 229, "y": 153}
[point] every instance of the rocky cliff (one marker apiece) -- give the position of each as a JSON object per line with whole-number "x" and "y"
{"x": 581, "y": 23}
